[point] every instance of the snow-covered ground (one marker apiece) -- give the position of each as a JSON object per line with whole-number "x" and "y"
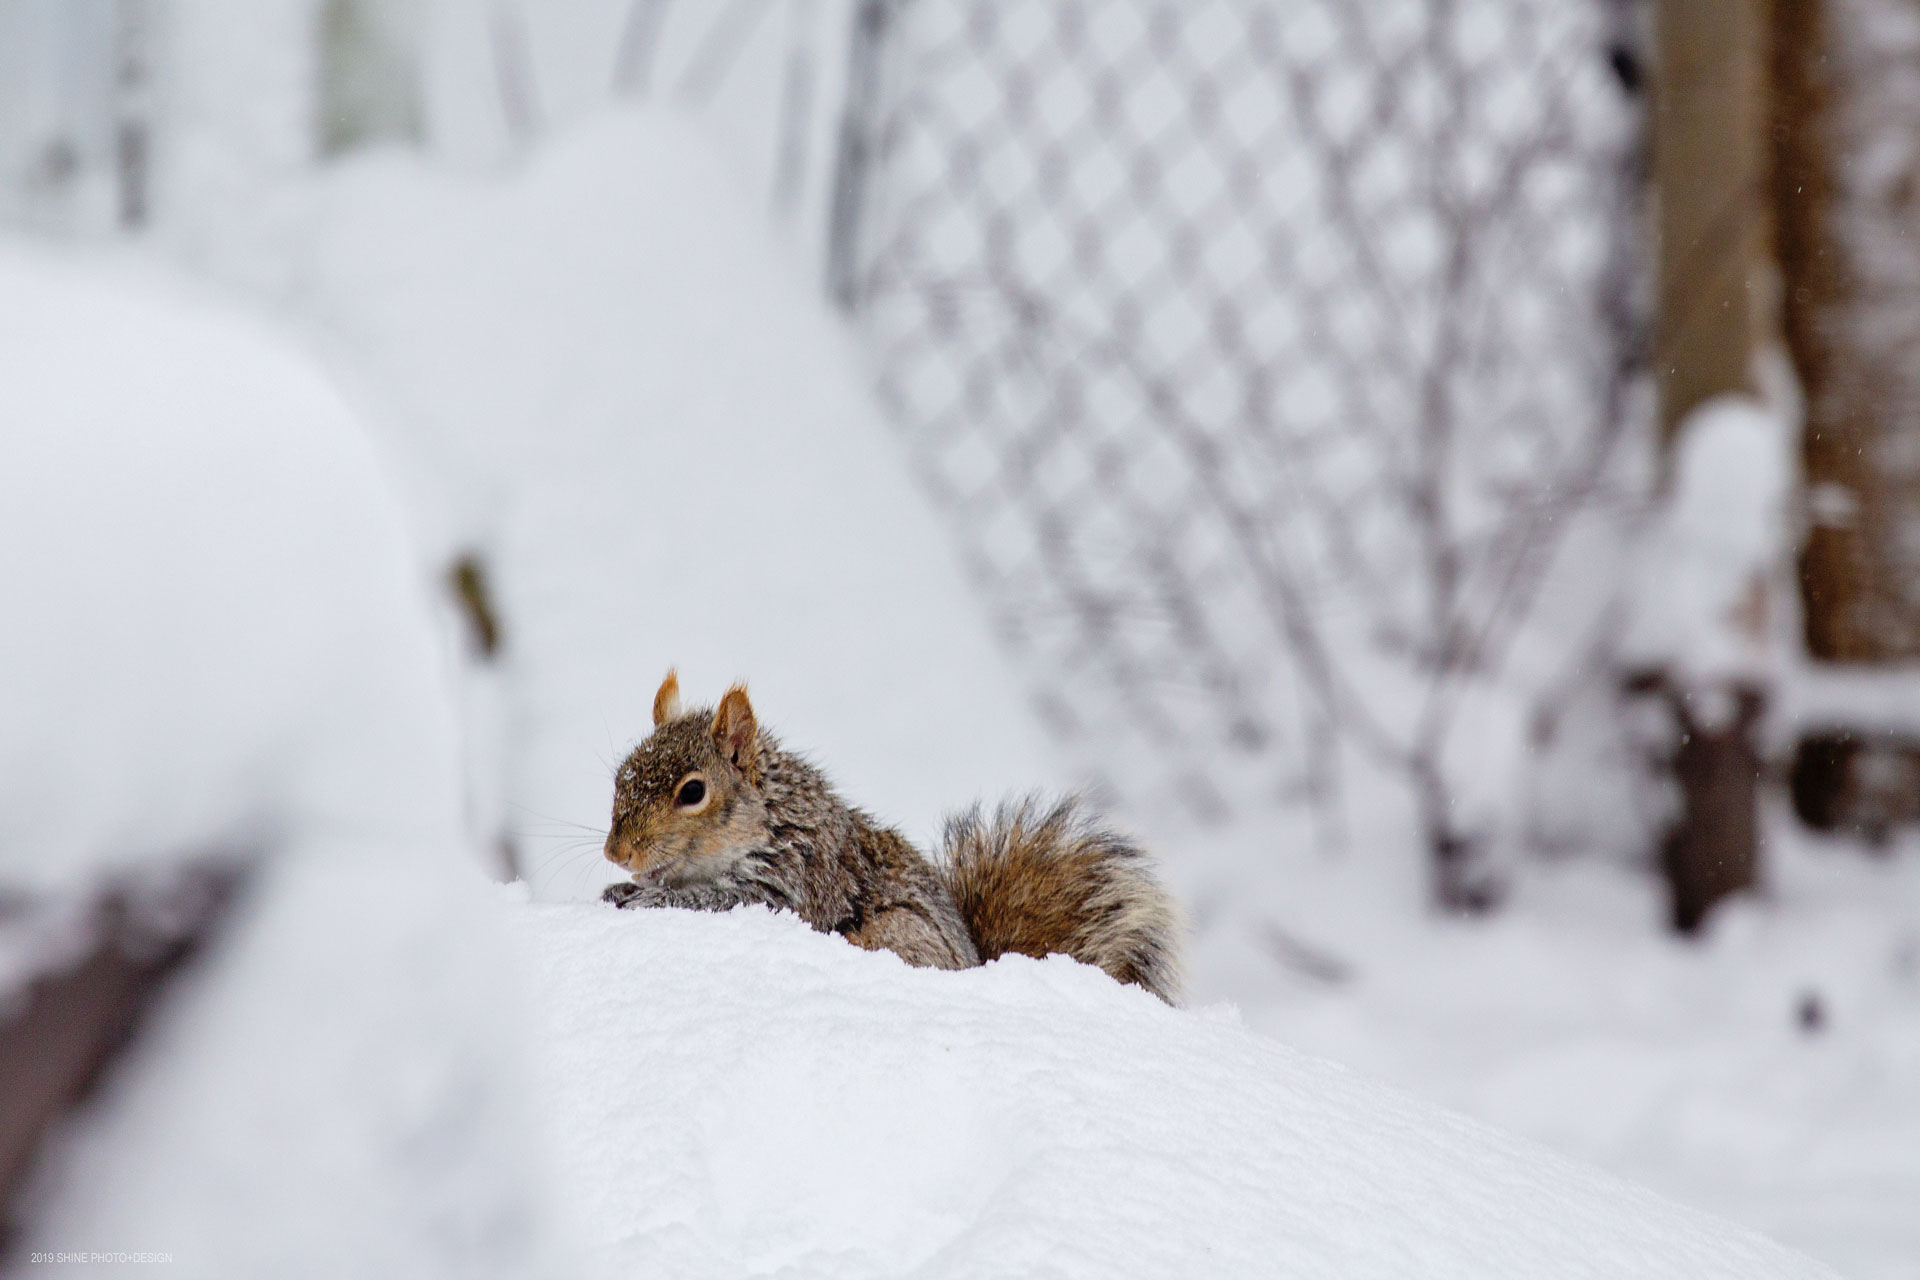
{"x": 738, "y": 1095}
{"x": 597, "y": 371}
{"x": 1766, "y": 1071}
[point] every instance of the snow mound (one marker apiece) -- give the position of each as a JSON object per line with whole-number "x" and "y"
{"x": 217, "y": 643}
{"x": 334, "y": 1092}
{"x": 216, "y": 633}
{"x": 740, "y": 1095}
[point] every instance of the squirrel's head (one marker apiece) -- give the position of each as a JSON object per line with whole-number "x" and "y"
{"x": 687, "y": 804}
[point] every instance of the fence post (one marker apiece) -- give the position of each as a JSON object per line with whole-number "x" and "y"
{"x": 853, "y": 166}
{"x": 1710, "y": 122}
{"x": 1709, "y": 132}
{"x": 1857, "y": 606}
{"x": 369, "y": 90}
{"x": 1851, "y": 268}
{"x": 133, "y": 111}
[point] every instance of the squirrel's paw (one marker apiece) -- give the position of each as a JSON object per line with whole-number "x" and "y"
{"x": 622, "y": 893}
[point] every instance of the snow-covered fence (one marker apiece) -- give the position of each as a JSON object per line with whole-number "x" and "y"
{"x": 98, "y": 95}
{"x": 761, "y": 70}
{"x": 1271, "y": 358}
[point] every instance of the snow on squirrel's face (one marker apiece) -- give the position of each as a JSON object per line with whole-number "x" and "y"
{"x": 686, "y": 803}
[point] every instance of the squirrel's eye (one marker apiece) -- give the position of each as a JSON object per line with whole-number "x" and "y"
{"x": 690, "y": 794}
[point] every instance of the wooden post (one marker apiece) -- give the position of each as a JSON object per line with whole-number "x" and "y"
{"x": 1851, "y": 267}
{"x": 1850, "y": 263}
{"x": 1710, "y": 167}
{"x": 1712, "y": 852}
{"x": 1710, "y": 154}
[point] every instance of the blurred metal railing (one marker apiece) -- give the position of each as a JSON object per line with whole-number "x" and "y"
{"x": 713, "y": 42}
{"x": 1264, "y": 353}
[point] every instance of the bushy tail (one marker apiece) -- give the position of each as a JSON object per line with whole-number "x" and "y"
{"x": 1038, "y": 879}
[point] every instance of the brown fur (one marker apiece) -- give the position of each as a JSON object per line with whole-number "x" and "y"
{"x": 769, "y": 828}
{"x": 1038, "y": 880}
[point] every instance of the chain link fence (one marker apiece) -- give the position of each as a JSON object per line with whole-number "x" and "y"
{"x": 1270, "y": 357}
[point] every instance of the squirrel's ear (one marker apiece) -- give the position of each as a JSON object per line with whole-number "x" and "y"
{"x": 734, "y": 730}
{"x": 666, "y": 703}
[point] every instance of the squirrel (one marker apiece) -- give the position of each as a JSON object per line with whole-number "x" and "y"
{"x": 710, "y": 812}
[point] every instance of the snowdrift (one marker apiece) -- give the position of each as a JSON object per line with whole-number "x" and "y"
{"x": 738, "y": 1095}
{"x": 216, "y": 642}
{"x": 216, "y": 631}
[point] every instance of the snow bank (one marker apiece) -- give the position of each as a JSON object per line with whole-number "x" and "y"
{"x": 215, "y": 630}
{"x": 216, "y": 642}
{"x": 332, "y": 1093}
{"x": 740, "y": 1095}
{"x": 610, "y": 381}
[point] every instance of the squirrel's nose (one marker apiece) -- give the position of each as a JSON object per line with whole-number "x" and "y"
{"x": 612, "y": 850}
